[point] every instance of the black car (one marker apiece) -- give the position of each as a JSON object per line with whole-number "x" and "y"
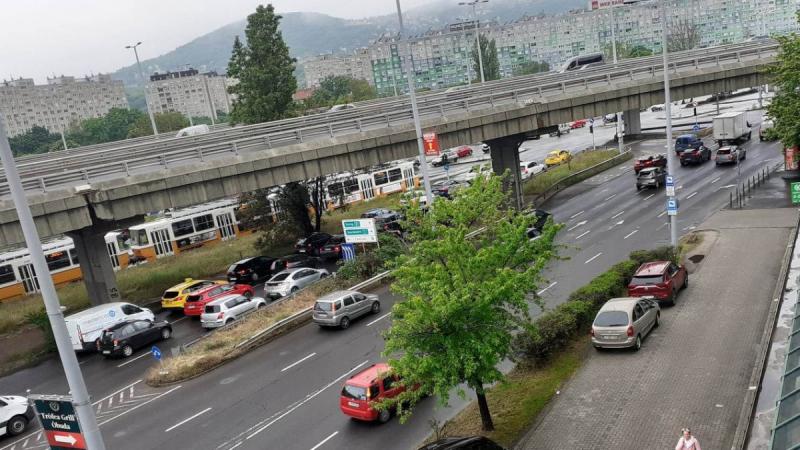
{"x": 651, "y": 177}
{"x": 463, "y": 443}
{"x": 445, "y": 188}
{"x": 539, "y": 217}
{"x": 687, "y": 141}
{"x": 125, "y": 337}
{"x": 292, "y": 261}
{"x": 695, "y": 156}
{"x": 250, "y": 270}
{"x": 382, "y": 216}
{"x": 333, "y": 248}
{"x": 312, "y": 243}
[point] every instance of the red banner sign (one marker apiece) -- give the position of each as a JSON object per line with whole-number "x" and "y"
{"x": 791, "y": 158}
{"x": 65, "y": 439}
{"x": 431, "y": 142}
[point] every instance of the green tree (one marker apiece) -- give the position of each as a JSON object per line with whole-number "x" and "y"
{"x": 166, "y": 122}
{"x": 683, "y": 35}
{"x": 335, "y": 90}
{"x": 491, "y": 65}
{"x": 531, "y": 67}
{"x": 36, "y": 140}
{"x": 293, "y": 201}
{"x": 361, "y": 90}
{"x": 625, "y": 51}
{"x": 264, "y": 70}
{"x": 463, "y": 298}
{"x": 114, "y": 126}
{"x": 785, "y": 106}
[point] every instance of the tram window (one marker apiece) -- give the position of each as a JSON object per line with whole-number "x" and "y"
{"x": 7, "y": 274}
{"x": 139, "y": 238}
{"x": 204, "y": 222}
{"x": 351, "y": 186}
{"x": 395, "y": 175}
{"x": 183, "y": 227}
{"x": 335, "y": 189}
{"x": 73, "y": 255}
{"x": 57, "y": 260}
{"x": 381, "y": 178}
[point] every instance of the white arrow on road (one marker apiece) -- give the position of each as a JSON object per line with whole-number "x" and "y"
{"x": 583, "y": 222}
{"x": 616, "y": 224}
{"x": 69, "y": 439}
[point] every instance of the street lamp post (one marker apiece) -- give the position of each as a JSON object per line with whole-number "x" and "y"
{"x": 673, "y": 219}
{"x": 474, "y": 4}
{"x": 619, "y": 124}
{"x": 80, "y": 395}
{"x": 144, "y": 86}
{"x": 423, "y": 164}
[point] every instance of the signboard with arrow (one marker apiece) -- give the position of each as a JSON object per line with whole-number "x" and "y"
{"x": 59, "y": 421}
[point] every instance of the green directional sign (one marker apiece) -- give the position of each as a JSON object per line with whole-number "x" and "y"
{"x": 359, "y": 231}
{"x": 356, "y": 231}
{"x": 795, "y": 188}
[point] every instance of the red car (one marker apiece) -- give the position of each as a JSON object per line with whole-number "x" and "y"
{"x": 373, "y": 384}
{"x": 580, "y": 123}
{"x": 464, "y": 151}
{"x": 196, "y": 302}
{"x": 650, "y": 161}
{"x": 659, "y": 279}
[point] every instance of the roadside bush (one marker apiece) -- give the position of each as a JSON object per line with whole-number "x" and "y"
{"x": 370, "y": 263}
{"x": 663, "y": 253}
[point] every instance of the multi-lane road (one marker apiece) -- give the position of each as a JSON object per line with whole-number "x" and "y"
{"x": 285, "y": 394}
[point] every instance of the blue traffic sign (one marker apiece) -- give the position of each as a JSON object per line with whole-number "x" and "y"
{"x": 670, "y": 181}
{"x": 348, "y": 251}
{"x": 156, "y": 353}
{"x": 696, "y": 128}
{"x": 446, "y": 167}
{"x": 672, "y": 207}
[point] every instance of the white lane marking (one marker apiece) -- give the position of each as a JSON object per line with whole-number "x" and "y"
{"x": 691, "y": 195}
{"x": 662, "y": 214}
{"x": 237, "y": 445}
{"x": 728, "y": 186}
{"x": 618, "y": 214}
{"x": 581, "y": 223}
{"x": 138, "y": 406}
{"x": 187, "y": 419}
{"x": 610, "y": 197}
{"x": 325, "y": 440}
{"x": 649, "y": 196}
{"x": 121, "y": 396}
{"x": 110, "y": 401}
{"x": 593, "y": 258}
{"x": 575, "y": 215}
{"x": 182, "y": 318}
{"x": 298, "y": 362}
{"x": 662, "y": 225}
{"x": 630, "y": 234}
{"x": 715, "y": 180}
{"x": 679, "y": 188}
{"x": 583, "y": 234}
{"x": 306, "y": 400}
{"x": 111, "y": 395}
{"x": 379, "y": 319}
{"x": 548, "y": 287}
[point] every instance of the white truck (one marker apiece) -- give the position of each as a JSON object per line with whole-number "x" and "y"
{"x": 731, "y": 127}
{"x": 86, "y": 327}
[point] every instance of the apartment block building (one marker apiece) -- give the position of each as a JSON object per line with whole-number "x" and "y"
{"x": 353, "y": 65}
{"x": 189, "y": 92}
{"x": 59, "y": 103}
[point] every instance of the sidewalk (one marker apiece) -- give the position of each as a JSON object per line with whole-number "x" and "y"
{"x": 694, "y": 370}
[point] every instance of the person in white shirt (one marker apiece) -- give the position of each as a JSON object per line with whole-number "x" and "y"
{"x": 687, "y": 441}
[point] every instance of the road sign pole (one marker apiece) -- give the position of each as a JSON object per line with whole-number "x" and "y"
{"x": 77, "y": 386}
{"x": 673, "y": 219}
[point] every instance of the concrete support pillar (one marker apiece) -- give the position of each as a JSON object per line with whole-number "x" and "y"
{"x": 633, "y": 122}
{"x": 505, "y": 156}
{"x": 98, "y": 274}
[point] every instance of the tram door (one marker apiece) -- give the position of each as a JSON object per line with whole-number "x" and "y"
{"x": 225, "y": 226}
{"x": 367, "y": 188}
{"x": 161, "y": 242}
{"x": 29, "y": 279}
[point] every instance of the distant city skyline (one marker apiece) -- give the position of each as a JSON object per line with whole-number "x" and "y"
{"x": 45, "y": 38}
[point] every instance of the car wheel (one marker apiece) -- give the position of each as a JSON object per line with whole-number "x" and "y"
{"x": 599, "y": 349}
{"x": 384, "y": 415}
{"x": 17, "y": 425}
{"x": 248, "y": 294}
{"x": 228, "y": 321}
{"x": 345, "y": 323}
{"x": 166, "y": 333}
{"x": 294, "y": 289}
{"x": 638, "y": 344}
{"x": 685, "y": 282}
{"x": 657, "y": 323}
{"x": 671, "y": 299}
{"x": 127, "y": 351}
{"x": 323, "y": 275}
{"x": 254, "y": 277}
{"x": 683, "y": 164}
{"x": 376, "y": 308}
{"x": 638, "y": 188}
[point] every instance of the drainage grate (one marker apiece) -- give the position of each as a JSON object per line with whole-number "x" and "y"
{"x": 696, "y": 258}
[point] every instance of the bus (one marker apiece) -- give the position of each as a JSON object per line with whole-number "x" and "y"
{"x": 184, "y": 229}
{"x": 582, "y": 62}
{"x": 347, "y": 188}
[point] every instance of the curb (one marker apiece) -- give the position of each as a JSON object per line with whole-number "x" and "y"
{"x": 748, "y": 406}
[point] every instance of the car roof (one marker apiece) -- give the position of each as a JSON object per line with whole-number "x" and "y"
{"x": 223, "y": 299}
{"x": 187, "y": 283}
{"x": 687, "y": 136}
{"x": 624, "y": 304}
{"x": 96, "y": 309}
{"x": 206, "y": 289}
{"x": 652, "y": 268}
{"x": 291, "y": 270}
{"x": 648, "y": 170}
{"x": 333, "y": 296}
{"x": 119, "y": 325}
{"x": 294, "y": 257}
{"x": 368, "y": 375}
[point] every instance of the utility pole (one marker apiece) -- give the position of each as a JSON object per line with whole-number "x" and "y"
{"x": 619, "y": 124}
{"x": 79, "y": 393}
{"x": 673, "y": 219}
{"x": 423, "y": 164}
{"x": 474, "y": 4}
{"x": 144, "y": 86}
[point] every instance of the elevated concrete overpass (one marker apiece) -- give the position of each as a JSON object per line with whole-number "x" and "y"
{"x": 115, "y": 188}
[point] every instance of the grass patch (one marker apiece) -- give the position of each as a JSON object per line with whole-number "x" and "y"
{"x": 517, "y": 402}
{"x": 582, "y": 161}
{"x": 688, "y": 243}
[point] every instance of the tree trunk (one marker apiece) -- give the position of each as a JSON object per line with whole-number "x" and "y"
{"x": 483, "y": 406}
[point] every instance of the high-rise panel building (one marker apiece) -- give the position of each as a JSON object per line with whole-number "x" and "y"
{"x": 189, "y": 92}
{"x": 355, "y": 65}
{"x": 58, "y": 104}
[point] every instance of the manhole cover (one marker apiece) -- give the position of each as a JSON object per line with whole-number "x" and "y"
{"x": 696, "y": 258}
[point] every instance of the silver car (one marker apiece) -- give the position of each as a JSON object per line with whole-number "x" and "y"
{"x": 292, "y": 280}
{"x": 338, "y": 308}
{"x": 225, "y": 310}
{"x": 624, "y": 322}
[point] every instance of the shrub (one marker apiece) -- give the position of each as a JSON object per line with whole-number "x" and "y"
{"x": 663, "y": 253}
{"x": 370, "y": 263}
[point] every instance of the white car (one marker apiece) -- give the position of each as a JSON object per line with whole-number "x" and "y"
{"x": 484, "y": 170}
{"x": 415, "y": 197}
{"x": 529, "y": 169}
{"x": 15, "y": 415}
{"x": 225, "y": 310}
{"x": 290, "y": 281}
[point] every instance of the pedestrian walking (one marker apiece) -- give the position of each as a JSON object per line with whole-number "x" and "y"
{"x": 687, "y": 441}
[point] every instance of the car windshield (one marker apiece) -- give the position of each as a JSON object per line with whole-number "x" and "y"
{"x": 356, "y": 392}
{"x": 323, "y": 306}
{"x": 232, "y": 268}
{"x": 611, "y": 319}
{"x": 648, "y": 174}
{"x": 170, "y": 294}
{"x": 280, "y": 277}
{"x": 643, "y": 280}
{"x": 724, "y": 151}
{"x": 211, "y": 309}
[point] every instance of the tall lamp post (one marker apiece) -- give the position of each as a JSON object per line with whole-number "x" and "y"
{"x": 620, "y": 126}
{"x": 426, "y": 180}
{"x": 474, "y": 4}
{"x": 673, "y": 218}
{"x": 144, "y": 85}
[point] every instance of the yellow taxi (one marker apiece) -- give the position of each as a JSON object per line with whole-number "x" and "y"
{"x": 557, "y": 157}
{"x": 175, "y": 297}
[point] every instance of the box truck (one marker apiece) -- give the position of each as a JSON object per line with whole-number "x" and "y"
{"x": 731, "y": 127}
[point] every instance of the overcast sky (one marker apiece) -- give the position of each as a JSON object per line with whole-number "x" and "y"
{"x": 76, "y": 37}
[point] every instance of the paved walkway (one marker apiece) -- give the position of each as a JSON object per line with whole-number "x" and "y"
{"x": 694, "y": 370}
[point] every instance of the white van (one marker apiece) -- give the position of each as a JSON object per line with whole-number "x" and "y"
{"x": 85, "y": 327}
{"x": 15, "y": 415}
{"x": 193, "y": 131}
